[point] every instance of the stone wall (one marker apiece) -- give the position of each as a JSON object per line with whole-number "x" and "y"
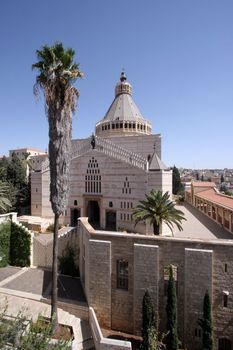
{"x": 102, "y": 343}
{"x": 200, "y": 267}
{"x": 43, "y": 247}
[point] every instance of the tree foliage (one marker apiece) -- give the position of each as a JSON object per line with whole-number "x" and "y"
{"x": 20, "y": 243}
{"x": 148, "y": 320}
{"x": 149, "y": 330}
{"x": 15, "y": 243}
{"x": 19, "y": 333}
{"x": 67, "y": 262}
{"x": 57, "y": 73}
{"x": 176, "y": 181}
{"x": 5, "y": 202}
{"x": 206, "y": 324}
{"x": 171, "y": 310}
{"x": 5, "y": 234}
{"x": 16, "y": 184}
{"x": 158, "y": 208}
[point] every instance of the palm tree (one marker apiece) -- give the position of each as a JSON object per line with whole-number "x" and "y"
{"x": 5, "y": 202}
{"x": 158, "y": 208}
{"x": 57, "y": 72}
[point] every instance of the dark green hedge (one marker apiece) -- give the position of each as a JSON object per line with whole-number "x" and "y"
{"x": 5, "y": 233}
{"x": 19, "y": 246}
{"x": 14, "y": 245}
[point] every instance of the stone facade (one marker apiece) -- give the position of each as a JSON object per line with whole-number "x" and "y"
{"x": 201, "y": 266}
{"x": 111, "y": 172}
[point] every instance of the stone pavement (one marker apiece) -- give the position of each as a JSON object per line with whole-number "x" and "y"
{"x": 199, "y": 226}
{"x": 22, "y": 290}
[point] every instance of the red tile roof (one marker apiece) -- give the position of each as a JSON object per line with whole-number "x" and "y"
{"x": 212, "y": 196}
{"x": 203, "y": 184}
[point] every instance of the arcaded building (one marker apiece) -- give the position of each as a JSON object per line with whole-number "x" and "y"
{"x": 110, "y": 170}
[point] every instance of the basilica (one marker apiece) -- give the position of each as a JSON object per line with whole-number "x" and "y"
{"x": 111, "y": 171}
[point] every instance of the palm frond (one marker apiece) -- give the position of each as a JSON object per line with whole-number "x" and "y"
{"x": 158, "y": 208}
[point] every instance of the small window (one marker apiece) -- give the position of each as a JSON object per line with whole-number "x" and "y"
{"x": 225, "y": 267}
{"x": 36, "y": 189}
{"x": 110, "y": 204}
{"x": 75, "y": 202}
{"x": 225, "y": 300}
{"x": 122, "y": 274}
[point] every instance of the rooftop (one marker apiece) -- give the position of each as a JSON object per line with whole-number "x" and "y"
{"x": 217, "y": 198}
{"x": 203, "y": 184}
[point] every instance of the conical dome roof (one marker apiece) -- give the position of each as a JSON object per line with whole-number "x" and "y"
{"x": 123, "y": 116}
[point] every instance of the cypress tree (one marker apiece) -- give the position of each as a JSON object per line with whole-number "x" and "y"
{"x": 148, "y": 320}
{"x": 206, "y": 324}
{"x": 171, "y": 309}
{"x": 176, "y": 182}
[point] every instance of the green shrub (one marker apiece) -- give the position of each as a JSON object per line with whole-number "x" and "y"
{"x": 50, "y": 228}
{"x": 66, "y": 262}
{"x": 5, "y": 233}
{"x": 19, "y": 333}
{"x": 20, "y": 242}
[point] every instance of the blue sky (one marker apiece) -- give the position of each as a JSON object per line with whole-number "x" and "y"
{"x": 177, "y": 54}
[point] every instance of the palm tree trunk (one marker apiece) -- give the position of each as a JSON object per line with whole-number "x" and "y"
{"x": 156, "y": 228}
{"x": 54, "y": 317}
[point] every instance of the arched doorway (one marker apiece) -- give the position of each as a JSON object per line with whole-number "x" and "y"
{"x": 224, "y": 344}
{"x": 93, "y": 213}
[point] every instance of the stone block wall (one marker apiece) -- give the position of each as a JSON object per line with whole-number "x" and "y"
{"x": 201, "y": 266}
{"x": 198, "y": 281}
{"x": 146, "y": 273}
{"x": 100, "y": 280}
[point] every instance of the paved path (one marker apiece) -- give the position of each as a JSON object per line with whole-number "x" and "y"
{"x": 198, "y": 225}
{"x": 22, "y": 289}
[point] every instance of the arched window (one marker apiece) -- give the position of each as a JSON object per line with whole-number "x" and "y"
{"x": 75, "y": 202}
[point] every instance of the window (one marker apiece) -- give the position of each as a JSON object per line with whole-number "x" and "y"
{"x": 110, "y": 204}
{"x": 122, "y": 274}
{"x": 225, "y": 300}
{"x": 75, "y": 202}
{"x": 225, "y": 267}
{"x": 92, "y": 182}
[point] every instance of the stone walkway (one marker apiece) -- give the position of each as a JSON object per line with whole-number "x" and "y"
{"x": 21, "y": 290}
{"x": 200, "y": 226}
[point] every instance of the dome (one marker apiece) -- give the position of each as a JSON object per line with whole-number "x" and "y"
{"x": 123, "y": 116}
